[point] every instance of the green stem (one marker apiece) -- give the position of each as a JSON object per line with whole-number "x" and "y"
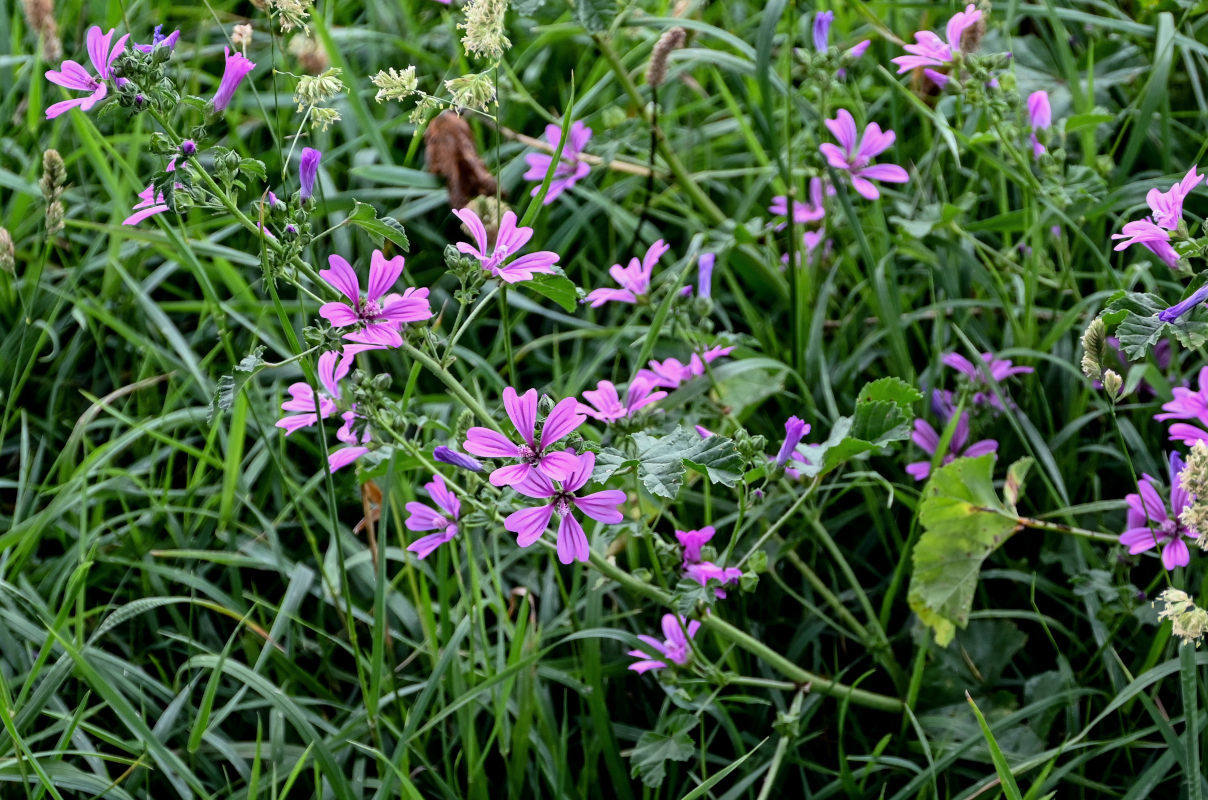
{"x": 728, "y": 632}
{"x": 452, "y": 384}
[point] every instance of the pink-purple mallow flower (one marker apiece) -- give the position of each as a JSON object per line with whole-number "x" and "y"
{"x": 673, "y": 650}
{"x": 71, "y": 75}
{"x": 447, "y": 455}
{"x": 1190, "y": 405}
{"x": 529, "y": 523}
{"x": 634, "y": 279}
{"x": 854, "y": 155}
{"x": 442, "y": 519}
{"x": 1153, "y": 232}
{"x": 308, "y": 170}
{"x": 354, "y": 444}
{"x": 376, "y": 317}
{"x": 151, "y": 202}
{"x": 508, "y": 241}
{"x": 159, "y": 40}
{"x": 928, "y": 439}
{"x": 706, "y": 571}
{"x": 311, "y": 406}
{"x": 532, "y": 454}
{"x": 803, "y": 213}
{"x": 1149, "y": 524}
{"x": 693, "y": 541}
{"x": 673, "y": 372}
{"x": 931, "y": 51}
{"x": 236, "y": 68}
{"x": 1040, "y": 114}
{"x": 604, "y": 402}
{"x": 990, "y": 372}
{"x": 569, "y": 170}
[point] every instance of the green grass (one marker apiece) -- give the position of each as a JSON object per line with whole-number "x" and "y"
{"x": 186, "y": 611}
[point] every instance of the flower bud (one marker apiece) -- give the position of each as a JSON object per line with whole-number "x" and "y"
{"x": 1113, "y": 383}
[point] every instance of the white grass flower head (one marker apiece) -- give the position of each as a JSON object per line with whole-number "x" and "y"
{"x": 484, "y": 29}
{"x": 475, "y": 91}
{"x": 394, "y": 84}
{"x": 1189, "y": 621}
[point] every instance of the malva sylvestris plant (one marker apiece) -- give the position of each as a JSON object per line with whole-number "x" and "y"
{"x": 614, "y": 479}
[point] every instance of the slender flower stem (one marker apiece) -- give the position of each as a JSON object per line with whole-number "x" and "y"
{"x": 452, "y": 384}
{"x": 752, "y": 645}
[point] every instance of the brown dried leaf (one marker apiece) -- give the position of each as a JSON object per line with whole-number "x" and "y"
{"x": 453, "y": 155}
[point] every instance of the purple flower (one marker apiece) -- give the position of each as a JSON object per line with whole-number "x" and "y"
{"x": 675, "y": 649}
{"x": 1040, "y": 114}
{"x": 673, "y": 372}
{"x": 854, "y": 156}
{"x": 795, "y": 430}
{"x": 150, "y": 202}
{"x": 634, "y": 279}
{"x": 71, "y": 75}
{"x": 308, "y": 168}
{"x": 932, "y": 51}
{"x": 534, "y": 455}
{"x": 803, "y": 213}
{"x": 822, "y": 26}
{"x": 1188, "y": 404}
{"x": 529, "y": 523}
{"x": 693, "y": 541}
{"x": 928, "y": 439}
{"x": 354, "y": 446}
{"x": 858, "y": 50}
{"x": 237, "y": 67}
{"x": 706, "y": 571}
{"x": 447, "y": 455}
{"x": 570, "y": 169}
{"x": 508, "y": 242}
{"x": 158, "y": 39}
{"x": 1187, "y": 434}
{"x": 377, "y": 316}
{"x": 704, "y": 275}
{"x": 1179, "y": 309}
{"x": 990, "y": 372}
{"x": 313, "y": 406}
{"x": 1150, "y": 526}
{"x": 426, "y": 518}
{"x": 1153, "y": 232}
{"x": 605, "y": 402}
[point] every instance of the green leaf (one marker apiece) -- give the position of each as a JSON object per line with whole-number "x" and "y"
{"x": 557, "y": 288}
{"x": 963, "y": 523}
{"x": 1138, "y": 334}
{"x": 662, "y": 460}
{"x": 890, "y": 390}
{"x": 379, "y": 228}
{"x": 610, "y": 461}
{"x": 654, "y": 750}
{"x": 875, "y": 425}
{"x": 595, "y": 15}
{"x": 1016, "y": 474}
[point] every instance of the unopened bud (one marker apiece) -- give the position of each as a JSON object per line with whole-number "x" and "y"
{"x": 1112, "y": 382}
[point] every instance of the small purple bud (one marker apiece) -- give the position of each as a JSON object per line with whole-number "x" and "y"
{"x": 157, "y": 39}
{"x": 139, "y": 100}
{"x": 272, "y": 200}
{"x": 795, "y": 430}
{"x": 704, "y": 276}
{"x": 291, "y": 229}
{"x": 187, "y": 148}
{"x": 237, "y": 67}
{"x": 1176, "y": 311}
{"x": 308, "y": 168}
{"x": 447, "y": 456}
{"x": 858, "y": 50}
{"x": 1040, "y": 113}
{"x": 822, "y": 24}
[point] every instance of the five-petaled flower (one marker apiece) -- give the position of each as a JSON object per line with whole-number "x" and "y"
{"x": 673, "y": 372}
{"x": 311, "y": 406}
{"x": 376, "y": 317}
{"x": 534, "y": 455}
{"x": 1153, "y": 232}
{"x": 928, "y": 439}
{"x": 693, "y": 541}
{"x": 854, "y": 155}
{"x": 569, "y": 170}
{"x": 705, "y": 571}
{"x": 529, "y": 523}
{"x": 606, "y": 403}
{"x": 508, "y": 241}
{"x": 675, "y": 649}
{"x": 72, "y": 75}
{"x": 932, "y": 51}
{"x": 989, "y": 373}
{"x": 442, "y": 519}
{"x": 633, "y": 279}
{"x": 1149, "y": 524}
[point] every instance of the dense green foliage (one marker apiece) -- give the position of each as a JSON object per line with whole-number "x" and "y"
{"x": 189, "y": 608}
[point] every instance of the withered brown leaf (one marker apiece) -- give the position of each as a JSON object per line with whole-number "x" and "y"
{"x": 453, "y": 155}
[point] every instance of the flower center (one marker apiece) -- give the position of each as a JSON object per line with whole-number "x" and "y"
{"x": 528, "y": 455}
{"x": 368, "y": 310}
{"x": 1169, "y": 529}
{"x": 562, "y": 503}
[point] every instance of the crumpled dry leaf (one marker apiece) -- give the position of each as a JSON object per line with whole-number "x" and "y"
{"x": 453, "y": 155}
